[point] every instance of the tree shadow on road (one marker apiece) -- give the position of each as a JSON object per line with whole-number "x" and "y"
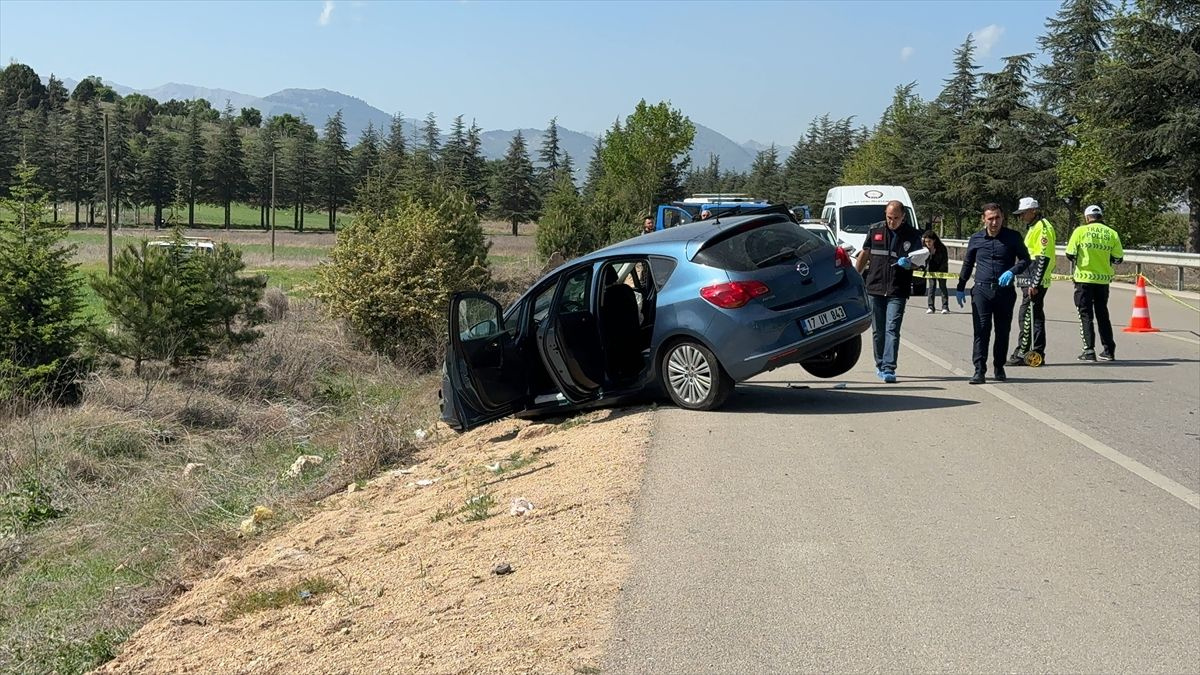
{"x": 780, "y": 400}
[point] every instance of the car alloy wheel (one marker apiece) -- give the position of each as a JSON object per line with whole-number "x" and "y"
{"x": 693, "y": 377}
{"x": 689, "y": 374}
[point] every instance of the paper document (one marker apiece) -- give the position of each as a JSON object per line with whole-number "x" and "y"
{"x": 918, "y": 257}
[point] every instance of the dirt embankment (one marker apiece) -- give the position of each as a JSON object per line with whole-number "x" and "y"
{"x": 402, "y": 573}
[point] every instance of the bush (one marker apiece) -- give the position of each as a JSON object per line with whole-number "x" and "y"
{"x": 392, "y": 271}
{"x": 40, "y": 324}
{"x": 168, "y": 305}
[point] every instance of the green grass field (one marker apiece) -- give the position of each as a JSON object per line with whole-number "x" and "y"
{"x": 241, "y": 215}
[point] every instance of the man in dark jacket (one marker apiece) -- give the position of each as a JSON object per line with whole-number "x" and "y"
{"x": 889, "y": 282}
{"x": 996, "y": 254}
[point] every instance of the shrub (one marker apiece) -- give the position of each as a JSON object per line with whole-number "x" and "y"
{"x": 40, "y": 324}
{"x": 392, "y": 271}
{"x": 168, "y": 305}
{"x": 26, "y": 507}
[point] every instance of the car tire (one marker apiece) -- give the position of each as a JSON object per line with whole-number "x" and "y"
{"x": 693, "y": 377}
{"x": 842, "y": 359}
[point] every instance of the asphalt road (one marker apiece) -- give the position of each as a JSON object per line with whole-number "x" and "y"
{"x": 1046, "y": 524}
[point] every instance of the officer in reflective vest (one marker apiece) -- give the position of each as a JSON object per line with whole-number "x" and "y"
{"x": 1031, "y": 317}
{"x": 1094, "y": 248}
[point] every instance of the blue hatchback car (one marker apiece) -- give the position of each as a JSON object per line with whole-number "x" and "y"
{"x": 686, "y": 311}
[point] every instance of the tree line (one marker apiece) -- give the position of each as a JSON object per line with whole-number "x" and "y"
{"x": 1109, "y": 117}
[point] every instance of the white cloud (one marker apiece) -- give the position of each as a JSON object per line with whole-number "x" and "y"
{"x": 906, "y": 53}
{"x": 987, "y": 37}
{"x": 326, "y": 13}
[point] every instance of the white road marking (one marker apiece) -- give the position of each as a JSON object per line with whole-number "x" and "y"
{"x": 1181, "y": 492}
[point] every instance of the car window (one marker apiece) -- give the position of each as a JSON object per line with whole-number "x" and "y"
{"x": 661, "y": 268}
{"x": 541, "y": 304}
{"x": 859, "y": 219}
{"x": 478, "y": 318}
{"x": 770, "y": 243}
{"x": 575, "y": 291}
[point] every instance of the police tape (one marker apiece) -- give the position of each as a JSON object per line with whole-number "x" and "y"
{"x": 1169, "y": 295}
{"x": 935, "y": 275}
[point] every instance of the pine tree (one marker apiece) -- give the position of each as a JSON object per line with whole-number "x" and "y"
{"x": 9, "y": 148}
{"x": 1075, "y": 41}
{"x": 227, "y": 164}
{"x": 302, "y": 170}
{"x": 1020, "y": 154}
{"x": 549, "y": 156}
{"x": 80, "y": 161}
{"x": 56, "y": 94}
{"x": 156, "y": 173}
{"x": 366, "y": 155}
{"x": 120, "y": 162}
{"x": 595, "y": 169}
{"x": 766, "y": 176}
{"x": 516, "y": 189}
{"x": 960, "y": 138}
{"x": 475, "y": 176}
{"x": 454, "y": 156}
{"x": 193, "y": 163}
{"x": 395, "y": 148}
{"x": 564, "y": 227}
{"x": 40, "y": 302}
{"x": 335, "y": 167}
{"x": 233, "y": 308}
{"x": 422, "y": 165}
{"x": 1149, "y": 95}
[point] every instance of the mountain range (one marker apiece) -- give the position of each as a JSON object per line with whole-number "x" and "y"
{"x": 318, "y": 105}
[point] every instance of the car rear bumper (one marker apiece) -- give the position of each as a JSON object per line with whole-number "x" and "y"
{"x": 858, "y": 320}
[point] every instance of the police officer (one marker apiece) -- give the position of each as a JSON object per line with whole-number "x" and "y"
{"x": 1094, "y": 247}
{"x": 889, "y": 283}
{"x": 1031, "y": 317}
{"x": 996, "y": 254}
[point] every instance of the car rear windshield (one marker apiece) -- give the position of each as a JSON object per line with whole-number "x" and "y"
{"x": 759, "y": 245}
{"x": 859, "y": 219}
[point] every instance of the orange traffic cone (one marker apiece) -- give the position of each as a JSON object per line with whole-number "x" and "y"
{"x": 1140, "y": 323}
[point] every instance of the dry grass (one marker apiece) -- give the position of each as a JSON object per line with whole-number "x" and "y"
{"x": 133, "y": 528}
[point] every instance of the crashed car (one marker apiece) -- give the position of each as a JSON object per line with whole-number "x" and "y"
{"x": 687, "y": 311}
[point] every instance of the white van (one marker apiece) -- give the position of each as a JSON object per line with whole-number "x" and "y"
{"x": 851, "y": 210}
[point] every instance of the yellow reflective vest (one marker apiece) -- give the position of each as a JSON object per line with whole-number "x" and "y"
{"x": 1040, "y": 241}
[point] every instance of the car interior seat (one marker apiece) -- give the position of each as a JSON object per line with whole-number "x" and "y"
{"x": 620, "y": 326}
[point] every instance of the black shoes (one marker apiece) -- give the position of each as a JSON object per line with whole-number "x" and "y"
{"x": 1089, "y": 355}
{"x": 1108, "y": 355}
{"x": 978, "y": 379}
{"x": 1015, "y": 360}
{"x": 1001, "y": 376}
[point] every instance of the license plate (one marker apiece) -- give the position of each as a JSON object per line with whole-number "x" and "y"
{"x": 826, "y": 318}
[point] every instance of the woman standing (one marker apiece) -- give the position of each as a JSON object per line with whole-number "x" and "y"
{"x": 939, "y": 261}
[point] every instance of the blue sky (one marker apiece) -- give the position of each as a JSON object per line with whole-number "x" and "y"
{"x": 750, "y": 70}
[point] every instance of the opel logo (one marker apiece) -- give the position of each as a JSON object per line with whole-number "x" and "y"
{"x": 802, "y": 268}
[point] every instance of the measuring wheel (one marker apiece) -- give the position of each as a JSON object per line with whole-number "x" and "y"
{"x": 1034, "y": 359}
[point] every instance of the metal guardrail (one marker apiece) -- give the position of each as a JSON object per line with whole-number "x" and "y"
{"x": 1180, "y": 261}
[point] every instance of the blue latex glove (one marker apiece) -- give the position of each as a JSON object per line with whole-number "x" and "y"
{"x": 1006, "y": 278}
{"x": 961, "y": 296}
{"x": 904, "y": 263}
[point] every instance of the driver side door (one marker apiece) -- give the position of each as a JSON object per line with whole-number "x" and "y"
{"x": 485, "y": 375}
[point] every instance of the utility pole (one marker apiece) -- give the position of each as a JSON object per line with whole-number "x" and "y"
{"x": 107, "y": 195}
{"x": 272, "y": 206}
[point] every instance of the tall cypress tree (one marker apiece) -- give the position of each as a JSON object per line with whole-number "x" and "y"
{"x": 193, "y": 164}
{"x": 156, "y": 172}
{"x": 226, "y": 166}
{"x": 335, "y": 167}
{"x": 395, "y": 148}
{"x": 550, "y": 158}
{"x": 475, "y": 179}
{"x": 516, "y": 189}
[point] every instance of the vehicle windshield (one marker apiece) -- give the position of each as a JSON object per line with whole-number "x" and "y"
{"x": 858, "y": 219}
{"x": 824, "y": 233}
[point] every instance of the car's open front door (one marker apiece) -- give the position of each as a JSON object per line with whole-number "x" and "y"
{"x": 485, "y": 377}
{"x": 671, "y": 216}
{"x": 569, "y": 338}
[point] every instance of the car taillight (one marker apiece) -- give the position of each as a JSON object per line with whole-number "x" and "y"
{"x": 840, "y": 257}
{"x": 733, "y": 294}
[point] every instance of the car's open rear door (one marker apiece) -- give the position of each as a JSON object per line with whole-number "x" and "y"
{"x": 569, "y": 339}
{"x": 485, "y": 377}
